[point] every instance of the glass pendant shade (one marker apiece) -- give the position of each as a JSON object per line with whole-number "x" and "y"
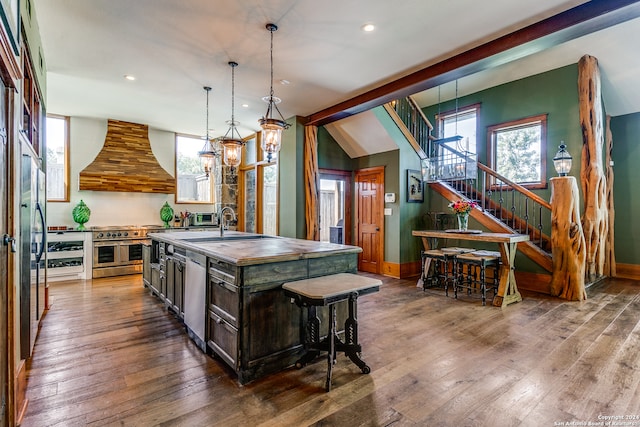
{"x": 562, "y": 161}
{"x": 271, "y": 136}
{"x": 232, "y": 152}
{"x": 208, "y": 156}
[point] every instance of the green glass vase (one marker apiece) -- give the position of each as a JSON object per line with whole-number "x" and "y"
{"x": 81, "y": 214}
{"x": 463, "y": 221}
{"x": 166, "y": 214}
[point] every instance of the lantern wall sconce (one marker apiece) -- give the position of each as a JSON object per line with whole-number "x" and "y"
{"x": 562, "y": 160}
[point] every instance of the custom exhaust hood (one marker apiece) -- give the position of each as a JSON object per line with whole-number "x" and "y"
{"x": 126, "y": 163}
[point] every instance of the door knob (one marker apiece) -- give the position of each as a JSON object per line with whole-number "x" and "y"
{"x": 377, "y": 228}
{"x": 6, "y": 239}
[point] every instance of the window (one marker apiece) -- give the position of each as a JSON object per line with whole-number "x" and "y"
{"x": 57, "y": 144}
{"x": 517, "y": 150}
{"x": 463, "y": 123}
{"x": 259, "y": 190}
{"x": 193, "y": 186}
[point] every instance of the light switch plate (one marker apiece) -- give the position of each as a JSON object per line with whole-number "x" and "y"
{"x": 388, "y": 211}
{"x": 389, "y": 198}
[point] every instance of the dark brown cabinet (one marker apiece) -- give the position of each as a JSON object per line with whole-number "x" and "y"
{"x": 252, "y": 326}
{"x": 174, "y": 279}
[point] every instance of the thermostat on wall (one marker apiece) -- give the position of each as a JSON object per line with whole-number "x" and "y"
{"x": 389, "y": 197}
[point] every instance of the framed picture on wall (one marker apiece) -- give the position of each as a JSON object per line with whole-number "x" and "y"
{"x": 415, "y": 186}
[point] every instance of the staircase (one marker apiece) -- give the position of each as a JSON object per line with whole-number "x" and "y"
{"x": 504, "y": 206}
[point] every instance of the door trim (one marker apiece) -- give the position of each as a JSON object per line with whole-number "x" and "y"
{"x": 348, "y": 200}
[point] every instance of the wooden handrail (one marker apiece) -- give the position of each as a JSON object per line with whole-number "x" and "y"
{"x": 533, "y": 196}
{"x": 415, "y": 105}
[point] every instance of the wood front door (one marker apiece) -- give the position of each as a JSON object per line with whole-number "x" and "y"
{"x": 370, "y": 219}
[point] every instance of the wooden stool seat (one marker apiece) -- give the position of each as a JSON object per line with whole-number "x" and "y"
{"x": 327, "y": 291}
{"x": 477, "y": 260}
{"x": 444, "y": 271}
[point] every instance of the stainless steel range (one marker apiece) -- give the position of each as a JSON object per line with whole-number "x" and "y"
{"x": 117, "y": 250}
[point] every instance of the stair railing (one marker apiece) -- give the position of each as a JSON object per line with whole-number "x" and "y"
{"x": 415, "y": 122}
{"x": 514, "y": 205}
{"x": 517, "y": 207}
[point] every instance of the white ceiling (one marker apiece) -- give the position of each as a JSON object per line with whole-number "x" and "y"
{"x": 175, "y": 47}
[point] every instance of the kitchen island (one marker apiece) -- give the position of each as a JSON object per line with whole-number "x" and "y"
{"x": 229, "y": 293}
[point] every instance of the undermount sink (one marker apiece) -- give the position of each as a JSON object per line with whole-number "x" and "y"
{"x": 225, "y": 238}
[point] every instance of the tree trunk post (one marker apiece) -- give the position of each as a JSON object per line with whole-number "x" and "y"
{"x": 567, "y": 240}
{"x": 595, "y": 218}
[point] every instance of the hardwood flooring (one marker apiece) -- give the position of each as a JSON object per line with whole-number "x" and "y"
{"x": 108, "y": 353}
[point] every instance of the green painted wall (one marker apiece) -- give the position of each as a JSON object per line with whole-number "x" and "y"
{"x": 626, "y": 158}
{"x": 330, "y": 154}
{"x": 400, "y": 246}
{"x": 554, "y": 93}
{"x": 291, "y": 182}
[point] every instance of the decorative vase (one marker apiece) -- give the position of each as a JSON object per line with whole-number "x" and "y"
{"x": 463, "y": 221}
{"x": 81, "y": 214}
{"x": 166, "y": 214}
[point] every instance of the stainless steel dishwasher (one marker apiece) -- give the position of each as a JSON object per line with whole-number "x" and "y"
{"x": 195, "y": 305}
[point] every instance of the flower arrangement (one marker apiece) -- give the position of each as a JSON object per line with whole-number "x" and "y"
{"x": 462, "y": 206}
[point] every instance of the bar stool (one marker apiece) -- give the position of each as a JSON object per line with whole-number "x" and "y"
{"x": 444, "y": 269}
{"x": 477, "y": 263}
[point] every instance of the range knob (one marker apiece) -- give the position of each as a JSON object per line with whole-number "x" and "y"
{"x": 135, "y": 233}
{"x": 100, "y": 235}
{"x": 119, "y": 234}
{"x": 108, "y": 234}
{"x": 126, "y": 233}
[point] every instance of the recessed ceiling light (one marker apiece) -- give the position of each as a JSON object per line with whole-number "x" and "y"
{"x": 284, "y": 82}
{"x": 368, "y": 28}
{"x": 245, "y": 105}
{"x": 129, "y": 77}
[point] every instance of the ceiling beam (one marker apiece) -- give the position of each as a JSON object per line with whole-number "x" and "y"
{"x": 584, "y": 19}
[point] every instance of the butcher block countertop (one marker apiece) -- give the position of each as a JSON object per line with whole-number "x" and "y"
{"x": 250, "y": 249}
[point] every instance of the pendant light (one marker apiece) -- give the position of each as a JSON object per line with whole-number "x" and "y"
{"x": 208, "y": 153}
{"x": 232, "y": 144}
{"x": 272, "y": 127}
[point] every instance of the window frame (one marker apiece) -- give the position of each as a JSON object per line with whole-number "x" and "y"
{"x": 258, "y": 166}
{"x": 442, "y": 116}
{"x": 212, "y": 176}
{"x": 66, "y": 156}
{"x": 493, "y": 130}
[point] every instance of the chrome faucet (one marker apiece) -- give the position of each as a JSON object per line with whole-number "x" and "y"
{"x": 222, "y": 212}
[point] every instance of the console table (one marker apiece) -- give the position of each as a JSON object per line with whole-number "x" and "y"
{"x": 507, "y": 289}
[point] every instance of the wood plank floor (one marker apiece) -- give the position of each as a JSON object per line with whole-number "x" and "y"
{"x": 109, "y": 354}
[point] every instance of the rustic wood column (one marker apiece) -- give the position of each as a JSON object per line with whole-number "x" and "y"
{"x": 610, "y": 250}
{"x": 595, "y": 221}
{"x": 311, "y": 182}
{"x": 567, "y": 240}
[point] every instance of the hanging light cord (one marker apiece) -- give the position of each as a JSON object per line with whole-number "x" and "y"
{"x": 271, "y": 30}
{"x": 233, "y": 97}
{"x": 207, "y": 89}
